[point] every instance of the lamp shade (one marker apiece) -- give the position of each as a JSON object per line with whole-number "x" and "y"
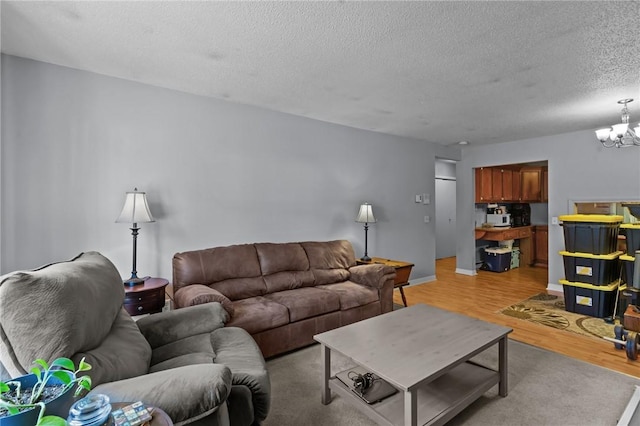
{"x": 136, "y": 209}
{"x": 365, "y": 215}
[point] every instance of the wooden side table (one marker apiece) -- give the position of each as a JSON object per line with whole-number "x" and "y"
{"x": 403, "y": 270}
{"x": 145, "y": 298}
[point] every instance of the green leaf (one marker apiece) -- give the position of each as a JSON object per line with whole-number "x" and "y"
{"x": 65, "y": 377}
{"x": 84, "y": 366}
{"x": 65, "y": 363}
{"x": 84, "y": 383}
{"x": 52, "y": 421}
{"x": 42, "y": 363}
{"x": 4, "y": 387}
{"x": 35, "y": 370}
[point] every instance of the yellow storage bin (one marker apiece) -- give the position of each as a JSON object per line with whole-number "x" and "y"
{"x": 595, "y": 269}
{"x": 591, "y": 233}
{"x": 632, "y": 233}
{"x": 586, "y": 299}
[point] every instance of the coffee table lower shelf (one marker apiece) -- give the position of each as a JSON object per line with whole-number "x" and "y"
{"x": 438, "y": 401}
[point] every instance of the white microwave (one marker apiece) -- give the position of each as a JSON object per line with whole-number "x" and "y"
{"x": 499, "y": 219}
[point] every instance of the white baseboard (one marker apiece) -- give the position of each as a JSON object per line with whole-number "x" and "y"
{"x": 422, "y": 280}
{"x": 470, "y": 272}
{"x": 556, "y": 289}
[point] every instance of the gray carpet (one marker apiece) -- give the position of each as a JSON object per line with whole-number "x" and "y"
{"x": 545, "y": 388}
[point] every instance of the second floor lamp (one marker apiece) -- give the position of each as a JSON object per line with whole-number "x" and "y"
{"x": 135, "y": 210}
{"x": 365, "y": 215}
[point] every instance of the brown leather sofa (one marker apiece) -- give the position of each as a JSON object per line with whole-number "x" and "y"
{"x": 284, "y": 293}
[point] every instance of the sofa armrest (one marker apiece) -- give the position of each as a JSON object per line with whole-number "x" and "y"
{"x": 166, "y": 327}
{"x": 197, "y": 294}
{"x": 372, "y": 275}
{"x": 185, "y": 393}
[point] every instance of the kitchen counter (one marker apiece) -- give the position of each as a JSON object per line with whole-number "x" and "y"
{"x": 521, "y": 233}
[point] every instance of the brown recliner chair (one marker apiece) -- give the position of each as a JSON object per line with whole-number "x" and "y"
{"x": 184, "y": 362}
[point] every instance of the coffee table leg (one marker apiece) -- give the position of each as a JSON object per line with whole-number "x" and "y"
{"x": 503, "y": 388}
{"x": 411, "y": 408}
{"x": 325, "y": 356}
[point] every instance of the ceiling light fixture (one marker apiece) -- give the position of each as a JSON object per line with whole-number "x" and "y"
{"x": 620, "y": 135}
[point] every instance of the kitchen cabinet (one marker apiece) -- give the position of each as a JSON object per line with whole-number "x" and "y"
{"x": 516, "y": 185}
{"x": 541, "y": 245}
{"x": 494, "y": 184}
{"x": 531, "y": 184}
{"x": 502, "y": 184}
{"x": 507, "y": 185}
{"x": 484, "y": 181}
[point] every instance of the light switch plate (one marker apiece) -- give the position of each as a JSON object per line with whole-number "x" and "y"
{"x": 419, "y": 198}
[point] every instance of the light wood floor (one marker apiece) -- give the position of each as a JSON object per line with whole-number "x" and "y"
{"x": 483, "y": 295}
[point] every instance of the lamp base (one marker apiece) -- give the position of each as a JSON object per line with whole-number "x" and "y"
{"x": 133, "y": 281}
{"x": 365, "y": 258}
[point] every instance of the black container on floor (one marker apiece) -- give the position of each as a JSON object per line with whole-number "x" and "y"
{"x": 596, "y": 269}
{"x": 587, "y": 299}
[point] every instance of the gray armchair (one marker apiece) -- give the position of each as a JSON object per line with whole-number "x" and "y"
{"x": 184, "y": 362}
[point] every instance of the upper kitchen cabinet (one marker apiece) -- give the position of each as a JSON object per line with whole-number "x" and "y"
{"x": 511, "y": 184}
{"x": 484, "y": 182}
{"x": 494, "y": 184}
{"x": 531, "y": 184}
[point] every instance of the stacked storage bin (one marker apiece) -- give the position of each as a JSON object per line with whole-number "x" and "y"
{"x": 591, "y": 263}
{"x": 629, "y": 293}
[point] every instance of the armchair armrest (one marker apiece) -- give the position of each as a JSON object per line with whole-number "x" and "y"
{"x": 185, "y": 393}
{"x": 166, "y": 327}
{"x": 372, "y": 275}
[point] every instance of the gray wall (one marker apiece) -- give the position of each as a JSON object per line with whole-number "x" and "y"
{"x": 215, "y": 173}
{"x": 579, "y": 169}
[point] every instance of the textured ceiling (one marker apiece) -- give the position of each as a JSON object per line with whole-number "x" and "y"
{"x": 442, "y": 72}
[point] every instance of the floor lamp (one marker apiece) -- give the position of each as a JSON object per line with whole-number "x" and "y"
{"x": 135, "y": 210}
{"x": 365, "y": 215}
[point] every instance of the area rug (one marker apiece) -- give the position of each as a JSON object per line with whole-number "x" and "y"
{"x": 545, "y": 388}
{"x": 549, "y": 310}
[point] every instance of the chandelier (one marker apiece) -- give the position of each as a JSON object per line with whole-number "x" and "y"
{"x": 620, "y": 135}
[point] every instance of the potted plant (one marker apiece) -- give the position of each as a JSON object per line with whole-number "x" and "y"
{"x": 23, "y": 400}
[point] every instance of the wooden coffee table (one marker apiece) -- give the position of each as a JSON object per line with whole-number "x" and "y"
{"x": 423, "y": 352}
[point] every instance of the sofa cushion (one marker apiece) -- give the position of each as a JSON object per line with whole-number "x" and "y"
{"x": 241, "y": 288}
{"x": 197, "y": 294}
{"x": 351, "y": 294}
{"x": 56, "y": 300}
{"x": 306, "y": 302}
{"x": 208, "y": 266}
{"x": 257, "y": 314}
{"x": 123, "y": 354}
{"x": 281, "y": 257}
{"x": 289, "y": 280}
{"x": 330, "y": 276}
{"x": 337, "y": 254}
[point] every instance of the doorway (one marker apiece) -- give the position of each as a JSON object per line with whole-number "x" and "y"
{"x": 445, "y": 219}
